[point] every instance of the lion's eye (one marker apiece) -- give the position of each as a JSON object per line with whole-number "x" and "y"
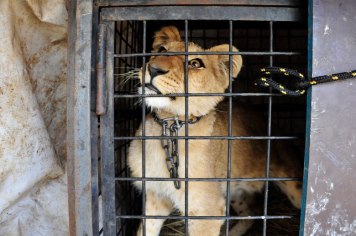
{"x": 196, "y": 63}
{"x": 162, "y": 49}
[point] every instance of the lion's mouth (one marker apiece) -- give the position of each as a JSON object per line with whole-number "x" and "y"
{"x": 153, "y": 88}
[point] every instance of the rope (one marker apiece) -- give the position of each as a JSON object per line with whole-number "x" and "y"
{"x": 301, "y": 83}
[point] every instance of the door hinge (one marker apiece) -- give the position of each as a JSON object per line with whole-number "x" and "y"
{"x": 101, "y": 95}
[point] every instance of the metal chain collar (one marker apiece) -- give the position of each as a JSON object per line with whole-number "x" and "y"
{"x": 170, "y": 144}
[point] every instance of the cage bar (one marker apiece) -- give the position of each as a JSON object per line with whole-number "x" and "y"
{"x": 106, "y": 136}
{"x": 203, "y": 13}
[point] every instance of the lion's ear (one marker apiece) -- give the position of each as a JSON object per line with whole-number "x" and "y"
{"x": 165, "y": 35}
{"x": 224, "y": 59}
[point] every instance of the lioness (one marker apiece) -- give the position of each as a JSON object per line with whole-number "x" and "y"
{"x": 207, "y": 158}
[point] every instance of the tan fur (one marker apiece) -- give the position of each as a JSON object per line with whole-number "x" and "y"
{"x": 207, "y": 158}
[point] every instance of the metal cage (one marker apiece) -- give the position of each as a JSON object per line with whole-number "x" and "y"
{"x": 262, "y": 43}
{"x": 266, "y": 35}
{"x": 105, "y": 35}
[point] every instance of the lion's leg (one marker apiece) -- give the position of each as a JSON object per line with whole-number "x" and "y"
{"x": 293, "y": 190}
{"x": 287, "y": 165}
{"x": 205, "y": 199}
{"x": 205, "y": 227}
{"x": 155, "y": 206}
{"x": 240, "y": 201}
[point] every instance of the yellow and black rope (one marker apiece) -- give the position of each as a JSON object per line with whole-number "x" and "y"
{"x": 302, "y": 83}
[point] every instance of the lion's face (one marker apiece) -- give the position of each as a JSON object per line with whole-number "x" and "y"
{"x": 206, "y": 74}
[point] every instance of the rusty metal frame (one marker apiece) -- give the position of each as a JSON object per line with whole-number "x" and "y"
{"x": 248, "y": 13}
{"x": 79, "y": 169}
{"x": 106, "y": 136}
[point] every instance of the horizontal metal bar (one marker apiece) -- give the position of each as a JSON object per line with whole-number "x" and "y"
{"x": 198, "y": 95}
{"x": 205, "y": 217}
{"x": 208, "y": 179}
{"x": 208, "y": 137}
{"x": 245, "y": 13}
{"x": 265, "y": 3}
{"x": 209, "y": 53}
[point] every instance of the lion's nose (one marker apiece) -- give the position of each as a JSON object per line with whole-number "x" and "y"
{"x": 155, "y": 71}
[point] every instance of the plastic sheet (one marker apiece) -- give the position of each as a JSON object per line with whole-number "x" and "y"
{"x": 33, "y": 56}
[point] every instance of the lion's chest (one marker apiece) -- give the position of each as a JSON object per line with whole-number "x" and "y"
{"x": 200, "y": 162}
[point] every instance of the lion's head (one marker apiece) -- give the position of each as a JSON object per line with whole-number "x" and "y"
{"x": 206, "y": 74}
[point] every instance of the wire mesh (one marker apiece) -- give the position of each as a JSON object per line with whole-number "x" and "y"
{"x": 261, "y": 44}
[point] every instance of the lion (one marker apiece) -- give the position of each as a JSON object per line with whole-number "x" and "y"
{"x": 208, "y": 158}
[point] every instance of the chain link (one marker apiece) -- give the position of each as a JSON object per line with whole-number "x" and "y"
{"x": 170, "y": 146}
{"x": 170, "y": 142}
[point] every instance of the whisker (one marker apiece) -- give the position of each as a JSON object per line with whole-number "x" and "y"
{"x": 138, "y": 102}
{"x": 125, "y": 80}
{"x": 127, "y": 73}
{"x": 130, "y": 75}
{"x": 130, "y": 72}
{"x": 127, "y": 67}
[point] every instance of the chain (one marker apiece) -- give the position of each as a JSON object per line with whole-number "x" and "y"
{"x": 170, "y": 147}
{"x": 170, "y": 142}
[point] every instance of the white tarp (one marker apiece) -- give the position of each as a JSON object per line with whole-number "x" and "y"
{"x": 33, "y": 56}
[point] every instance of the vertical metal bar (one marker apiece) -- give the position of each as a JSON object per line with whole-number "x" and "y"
{"x": 127, "y": 38}
{"x": 78, "y": 118}
{"x": 218, "y": 36}
{"x": 292, "y": 112}
{"x": 204, "y": 38}
{"x": 308, "y": 119}
{"x": 126, "y": 102}
{"x": 229, "y": 132}
{"x": 144, "y": 130}
{"x": 268, "y": 134}
{"x": 120, "y": 69}
{"x": 94, "y": 124}
{"x": 107, "y": 142}
{"x": 94, "y": 165}
{"x": 131, "y": 85}
{"x": 186, "y": 126}
{"x": 121, "y": 41}
{"x": 247, "y": 62}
